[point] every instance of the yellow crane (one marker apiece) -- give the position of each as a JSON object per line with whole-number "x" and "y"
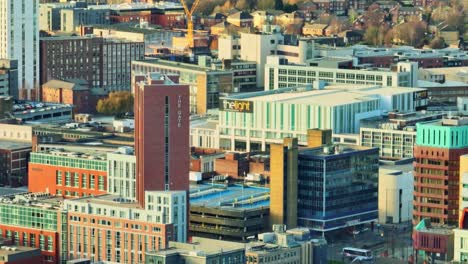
{"x": 189, "y": 14}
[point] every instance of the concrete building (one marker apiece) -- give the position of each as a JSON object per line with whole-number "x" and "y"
{"x": 105, "y": 64}
{"x": 395, "y": 196}
{"x": 16, "y": 19}
{"x": 250, "y": 122}
{"x": 228, "y": 212}
{"x": 204, "y": 133}
{"x": 121, "y": 173}
{"x": 345, "y": 178}
{"x": 256, "y": 47}
{"x": 205, "y": 84}
{"x": 14, "y": 157}
{"x": 111, "y": 228}
{"x": 439, "y": 145}
{"x": 68, "y": 174}
{"x": 9, "y": 78}
{"x": 71, "y": 19}
{"x": 287, "y": 246}
{"x": 199, "y": 251}
{"x": 284, "y": 183}
{"x": 50, "y": 113}
{"x": 281, "y": 73}
{"x": 393, "y": 133}
{"x": 462, "y": 105}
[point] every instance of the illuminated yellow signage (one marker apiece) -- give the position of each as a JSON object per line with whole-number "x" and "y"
{"x": 236, "y": 106}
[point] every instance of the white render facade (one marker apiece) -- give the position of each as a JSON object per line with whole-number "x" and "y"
{"x": 19, "y": 40}
{"x": 280, "y": 74}
{"x": 392, "y": 143}
{"x": 290, "y": 112}
{"x": 121, "y": 175}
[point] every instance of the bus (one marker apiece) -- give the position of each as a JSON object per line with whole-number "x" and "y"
{"x": 357, "y": 254}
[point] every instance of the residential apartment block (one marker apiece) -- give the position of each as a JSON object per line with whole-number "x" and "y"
{"x": 103, "y": 63}
{"x": 16, "y": 18}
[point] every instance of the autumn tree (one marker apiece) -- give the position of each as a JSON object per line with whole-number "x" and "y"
{"x": 116, "y": 103}
{"x": 266, "y": 4}
{"x": 411, "y": 33}
{"x": 437, "y": 43}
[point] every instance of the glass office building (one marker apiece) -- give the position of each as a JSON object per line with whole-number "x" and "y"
{"x": 337, "y": 187}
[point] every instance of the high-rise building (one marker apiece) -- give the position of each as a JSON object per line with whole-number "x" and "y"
{"x": 439, "y": 145}
{"x": 104, "y": 63}
{"x": 9, "y": 77}
{"x": 283, "y": 183}
{"x": 337, "y": 187}
{"x": 161, "y": 134}
{"x": 19, "y": 40}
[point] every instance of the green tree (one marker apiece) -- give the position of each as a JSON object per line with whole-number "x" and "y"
{"x": 116, "y": 103}
{"x": 279, "y": 5}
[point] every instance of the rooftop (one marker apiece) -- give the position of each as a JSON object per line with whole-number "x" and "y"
{"x": 109, "y": 200}
{"x": 13, "y": 145}
{"x": 333, "y": 150}
{"x": 174, "y": 64}
{"x": 43, "y": 200}
{"x": 233, "y": 197}
{"x": 399, "y": 120}
{"x": 200, "y": 247}
{"x": 331, "y": 95}
{"x": 88, "y": 155}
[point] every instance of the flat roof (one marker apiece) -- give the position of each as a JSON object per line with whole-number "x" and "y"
{"x": 109, "y": 200}
{"x": 331, "y": 95}
{"x": 13, "y": 145}
{"x": 12, "y": 250}
{"x": 342, "y": 149}
{"x": 174, "y": 64}
{"x": 233, "y": 197}
{"x": 203, "y": 247}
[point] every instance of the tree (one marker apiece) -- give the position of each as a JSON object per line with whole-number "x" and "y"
{"x": 371, "y": 36}
{"x": 352, "y": 15}
{"x": 279, "y": 5}
{"x": 266, "y": 4}
{"x": 411, "y": 33}
{"x": 116, "y": 103}
{"x": 288, "y": 8}
{"x": 437, "y": 43}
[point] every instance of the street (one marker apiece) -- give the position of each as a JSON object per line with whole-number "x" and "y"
{"x": 387, "y": 243}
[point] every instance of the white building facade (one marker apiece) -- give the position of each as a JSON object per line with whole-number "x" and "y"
{"x": 19, "y": 40}
{"x": 395, "y": 196}
{"x": 251, "y": 122}
{"x": 280, "y": 73}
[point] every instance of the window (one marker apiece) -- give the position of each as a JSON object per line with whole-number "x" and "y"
{"x": 76, "y": 180}
{"x": 67, "y": 178}
{"x": 84, "y": 180}
{"x": 58, "y": 177}
{"x": 91, "y": 181}
{"x": 101, "y": 183}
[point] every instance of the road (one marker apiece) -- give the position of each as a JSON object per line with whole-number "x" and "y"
{"x": 388, "y": 243}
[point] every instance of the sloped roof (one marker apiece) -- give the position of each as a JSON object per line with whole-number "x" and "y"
{"x": 76, "y": 84}
{"x": 240, "y": 15}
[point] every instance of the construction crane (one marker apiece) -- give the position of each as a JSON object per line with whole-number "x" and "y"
{"x": 189, "y": 14}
